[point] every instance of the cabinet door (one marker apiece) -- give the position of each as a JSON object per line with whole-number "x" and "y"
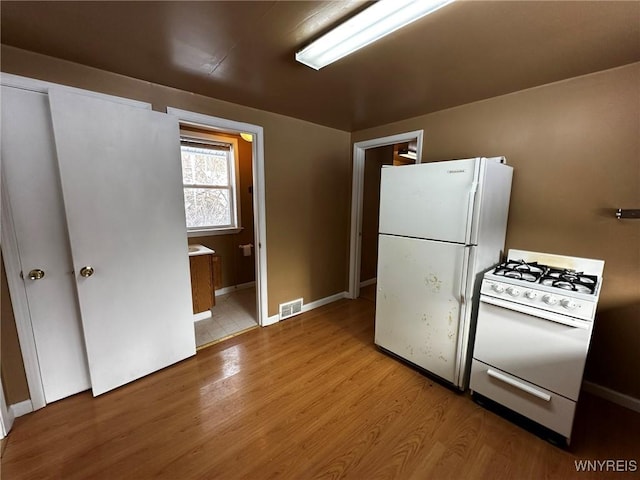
{"x": 122, "y": 191}
{"x": 202, "y": 282}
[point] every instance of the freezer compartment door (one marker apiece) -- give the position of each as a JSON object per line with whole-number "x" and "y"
{"x": 418, "y": 306}
{"x": 429, "y": 200}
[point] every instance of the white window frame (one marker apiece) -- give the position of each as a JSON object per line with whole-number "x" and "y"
{"x": 234, "y": 182}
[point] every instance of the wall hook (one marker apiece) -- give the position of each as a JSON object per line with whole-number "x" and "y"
{"x": 627, "y": 213}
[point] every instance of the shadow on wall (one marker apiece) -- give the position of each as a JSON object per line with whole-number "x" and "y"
{"x": 14, "y": 380}
{"x": 612, "y": 322}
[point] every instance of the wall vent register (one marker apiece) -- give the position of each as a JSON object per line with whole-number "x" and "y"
{"x": 290, "y": 309}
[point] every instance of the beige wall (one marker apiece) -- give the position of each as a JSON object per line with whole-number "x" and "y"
{"x": 307, "y": 175}
{"x": 373, "y": 160}
{"x": 575, "y": 149}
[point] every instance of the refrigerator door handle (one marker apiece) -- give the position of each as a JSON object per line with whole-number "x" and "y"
{"x": 461, "y": 340}
{"x": 472, "y": 202}
{"x": 465, "y": 273}
{"x": 470, "y": 211}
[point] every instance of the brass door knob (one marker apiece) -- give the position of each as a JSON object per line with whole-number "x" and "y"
{"x": 86, "y": 271}
{"x": 36, "y": 274}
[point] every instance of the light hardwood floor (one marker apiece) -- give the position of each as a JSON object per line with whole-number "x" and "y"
{"x": 310, "y": 397}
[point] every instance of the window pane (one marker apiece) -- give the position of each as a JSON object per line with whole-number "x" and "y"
{"x": 207, "y": 207}
{"x": 204, "y": 166}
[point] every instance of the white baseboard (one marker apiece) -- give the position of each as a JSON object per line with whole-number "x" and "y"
{"x": 366, "y": 283}
{"x": 622, "y": 399}
{"x": 21, "y": 408}
{"x": 233, "y": 288}
{"x": 310, "y": 306}
{"x": 271, "y": 320}
{"x": 201, "y": 316}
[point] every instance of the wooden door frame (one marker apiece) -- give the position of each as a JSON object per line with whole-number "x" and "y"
{"x": 10, "y": 246}
{"x": 259, "y": 211}
{"x": 357, "y": 190}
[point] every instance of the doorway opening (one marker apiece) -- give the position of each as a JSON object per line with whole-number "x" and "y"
{"x": 234, "y": 260}
{"x": 403, "y": 148}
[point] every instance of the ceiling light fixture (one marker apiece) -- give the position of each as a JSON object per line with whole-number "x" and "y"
{"x": 373, "y": 23}
{"x": 247, "y": 136}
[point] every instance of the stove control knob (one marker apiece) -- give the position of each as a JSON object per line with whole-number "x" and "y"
{"x": 513, "y": 291}
{"x": 497, "y": 288}
{"x": 549, "y": 299}
{"x": 568, "y": 303}
{"x": 531, "y": 294}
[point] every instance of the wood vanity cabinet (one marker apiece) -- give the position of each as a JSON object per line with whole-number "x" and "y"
{"x": 202, "y": 282}
{"x": 217, "y": 271}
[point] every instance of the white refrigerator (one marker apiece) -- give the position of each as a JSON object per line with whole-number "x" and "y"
{"x": 442, "y": 224}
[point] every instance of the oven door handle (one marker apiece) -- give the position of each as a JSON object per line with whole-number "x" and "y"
{"x": 537, "y": 312}
{"x": 519, "y": 385}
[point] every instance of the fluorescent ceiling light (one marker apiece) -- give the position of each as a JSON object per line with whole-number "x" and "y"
{"x": 382, "y": 18}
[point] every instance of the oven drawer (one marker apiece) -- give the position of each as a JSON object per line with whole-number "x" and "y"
{"x": 547, "y": 353}
{"x": 540, "y": 405}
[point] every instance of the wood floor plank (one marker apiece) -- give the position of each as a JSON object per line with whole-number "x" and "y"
{"x": 310, "y": 397}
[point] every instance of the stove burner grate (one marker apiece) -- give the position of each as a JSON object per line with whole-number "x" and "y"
{"x": 570, "y": 280}
{"x": 521, "y": 270}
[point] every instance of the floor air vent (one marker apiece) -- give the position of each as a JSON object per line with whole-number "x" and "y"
{"x": 290, "y": 309}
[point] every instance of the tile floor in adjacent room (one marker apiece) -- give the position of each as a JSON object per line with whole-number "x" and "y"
{"x": 234, "y": 312}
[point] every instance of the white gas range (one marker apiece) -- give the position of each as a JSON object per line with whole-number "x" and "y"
{"x": 534, "y": 325}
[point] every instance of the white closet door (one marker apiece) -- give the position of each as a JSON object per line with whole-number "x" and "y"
{"x": 122, "y": 189}
{"x": 31, "y": 170}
